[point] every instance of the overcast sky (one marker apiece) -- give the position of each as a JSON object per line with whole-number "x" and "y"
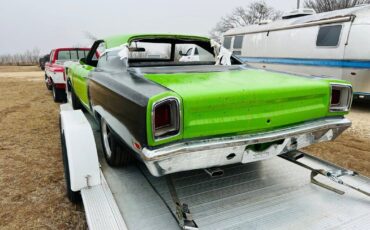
{"x": 48, "y": 24}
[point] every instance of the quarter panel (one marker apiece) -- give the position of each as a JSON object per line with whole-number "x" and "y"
{"x": 124, "y": 97}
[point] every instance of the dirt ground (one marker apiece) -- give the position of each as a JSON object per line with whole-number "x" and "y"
{"x": 32, "y": 187}
{"x": 351, "y": 149}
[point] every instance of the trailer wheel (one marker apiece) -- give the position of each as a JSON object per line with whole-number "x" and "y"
{"x": 48, "y": 86}
{"x": 74, "y": 197}
{"x": 116, "y": 153}
{"x": 76, "y": 104}
{"x": 59, "y": 95}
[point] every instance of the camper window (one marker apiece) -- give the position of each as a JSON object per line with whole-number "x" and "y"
{"x": 238, "y": 42}
{"x": 227, "y": 42}
{"x": 329, "y": 35}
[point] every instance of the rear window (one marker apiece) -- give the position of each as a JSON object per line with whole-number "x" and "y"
{"x": 238, "y": 42}
{"x": 72, "y": 54}
{"x": 329, "y": 35}
{"x": 150, "y": 50}
{"x": 64, "y": 55}
{"x": 227, "y": 42}
{"x": 82, "y": 53}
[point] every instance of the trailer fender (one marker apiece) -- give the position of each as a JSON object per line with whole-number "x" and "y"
{"x": 81, "y": 150}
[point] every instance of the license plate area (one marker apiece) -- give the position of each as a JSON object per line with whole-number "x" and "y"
{"x": 263, "y": 151}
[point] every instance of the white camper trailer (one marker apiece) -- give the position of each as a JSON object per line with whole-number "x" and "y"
{"x": 334, "y": 44}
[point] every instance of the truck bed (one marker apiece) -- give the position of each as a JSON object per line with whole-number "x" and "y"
{"x": 270, "y": 194}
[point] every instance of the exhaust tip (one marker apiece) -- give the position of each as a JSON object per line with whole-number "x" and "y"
{"x": 214, "y": 172}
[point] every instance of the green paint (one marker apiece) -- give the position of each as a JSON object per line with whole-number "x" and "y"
{"x": 79, "y": 79}
{"x": 114, "y": 41}
{"x": 246, "y": 101}
{"x": 151, "y": 141}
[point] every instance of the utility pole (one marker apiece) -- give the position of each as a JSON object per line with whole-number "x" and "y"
{"x": 298, "y": 4}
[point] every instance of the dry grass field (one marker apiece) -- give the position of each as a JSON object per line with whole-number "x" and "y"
{"x": 32, "y": 187}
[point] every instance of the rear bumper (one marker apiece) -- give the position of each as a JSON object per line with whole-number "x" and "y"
{"x": 212, "y": 152}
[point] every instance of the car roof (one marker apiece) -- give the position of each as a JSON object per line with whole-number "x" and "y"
{"x": 64, "y": 49}
{"x": 115, "y": 41}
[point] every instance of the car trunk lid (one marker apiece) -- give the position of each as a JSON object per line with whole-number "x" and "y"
{"x": 244, "y": 101}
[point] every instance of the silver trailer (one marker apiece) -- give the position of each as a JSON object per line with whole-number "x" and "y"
{"x": 293, "y": 191}
{"x": 333, "y": 44}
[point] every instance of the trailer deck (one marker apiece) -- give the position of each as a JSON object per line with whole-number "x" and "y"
{"x": 269, "y": 194}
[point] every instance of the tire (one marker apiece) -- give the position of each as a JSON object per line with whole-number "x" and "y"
{"x": 59, "y": 95}
{"x": 76, "y": 104}
{"x": 116, "y": 153}
{"x": 69, "y": 87}
{"x": 48, "y": 86}
{"x": 74, "y": 197}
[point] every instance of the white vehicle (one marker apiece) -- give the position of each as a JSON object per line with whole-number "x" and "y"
{"x": 294, "y": 191}
{"x": 195, "y": 54}
{"x": 334, "y": 44}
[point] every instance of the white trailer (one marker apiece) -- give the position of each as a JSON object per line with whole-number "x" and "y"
{"x": 294, "y": 191}
{"x": 333, "y": 44}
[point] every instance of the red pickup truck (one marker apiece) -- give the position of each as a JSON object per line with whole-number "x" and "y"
{"x": 55, "y": 78}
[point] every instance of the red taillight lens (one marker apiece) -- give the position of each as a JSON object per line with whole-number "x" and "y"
{"x": 162, "y": 116}
{"x": 335, "y": 97}
{"x": 166, "y": 118}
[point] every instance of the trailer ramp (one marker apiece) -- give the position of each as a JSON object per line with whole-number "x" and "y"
{"x": 269, "y": 194}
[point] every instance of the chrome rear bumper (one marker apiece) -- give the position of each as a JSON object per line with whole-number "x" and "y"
{"x": 206, "y": 153}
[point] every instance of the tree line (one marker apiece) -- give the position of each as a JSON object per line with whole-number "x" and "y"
{"x": 30, "y": 57}
{"x": 259, "y": 12}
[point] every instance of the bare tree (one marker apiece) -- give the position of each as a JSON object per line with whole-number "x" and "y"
{"x": 330, "y": 5}
{"x": 254, "y": 13}
{"x": 30, "y": 57}
{"x": 90, "y": 36}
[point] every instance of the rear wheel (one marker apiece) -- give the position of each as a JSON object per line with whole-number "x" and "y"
{"x": 74, "y": 197}
{"x": 59, "y": 95}
{"x": 116, "y": 153}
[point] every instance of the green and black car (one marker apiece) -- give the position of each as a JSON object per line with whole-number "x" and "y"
{"x": 179, "y": 115}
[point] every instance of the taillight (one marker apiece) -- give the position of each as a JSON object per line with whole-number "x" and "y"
{"x": 162, "y": 116}
{"x": 335, "y": 97}
{"x": 341, "y": 97}
{"x": 166, "y": 118}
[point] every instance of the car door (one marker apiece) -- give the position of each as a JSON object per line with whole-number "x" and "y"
{"x": 81, "y": 74}
{"x": 80, "y": 79}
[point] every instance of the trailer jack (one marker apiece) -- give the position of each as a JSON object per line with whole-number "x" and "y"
{"x": 333, "y": 175}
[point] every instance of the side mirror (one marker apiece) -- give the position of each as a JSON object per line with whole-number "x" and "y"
{"x": 181, "y": 53}
{"x": 82, "y": 61}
